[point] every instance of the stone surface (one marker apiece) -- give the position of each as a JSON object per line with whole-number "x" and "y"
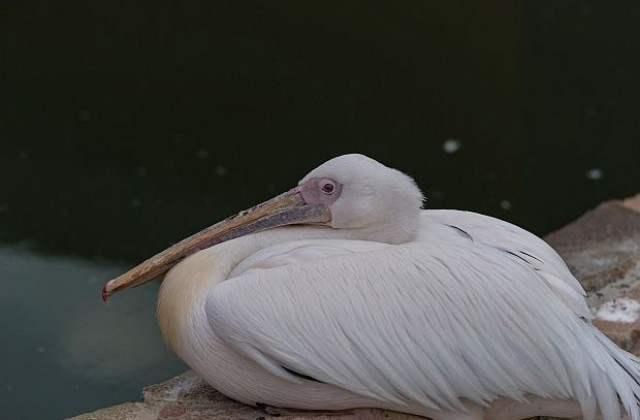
{"x": 602, "y": 248}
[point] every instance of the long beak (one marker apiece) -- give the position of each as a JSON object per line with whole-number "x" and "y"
{"x": 286, "y": 209}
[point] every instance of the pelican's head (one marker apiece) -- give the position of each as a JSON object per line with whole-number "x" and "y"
{"x": 350, "y": 192}
{"x": 359, "y": 193}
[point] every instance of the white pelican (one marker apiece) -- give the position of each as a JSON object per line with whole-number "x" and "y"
{"x": 344, "y": 293}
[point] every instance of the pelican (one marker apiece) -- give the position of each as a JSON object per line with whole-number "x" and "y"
{"x": 343, "y": 293}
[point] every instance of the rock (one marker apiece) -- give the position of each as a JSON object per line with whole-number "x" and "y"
{"x": 602, "y": 248}
{"x": 126, "y": 411}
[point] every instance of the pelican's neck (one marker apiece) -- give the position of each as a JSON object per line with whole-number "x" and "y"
{"x": 181, "y": 302}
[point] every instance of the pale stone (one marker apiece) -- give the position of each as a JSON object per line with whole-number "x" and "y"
{"x": 632, "y": 202}
{"x": 601, "y": 248}
{"x": 622, "y": 310}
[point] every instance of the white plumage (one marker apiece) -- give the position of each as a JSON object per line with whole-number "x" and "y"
{"x": 440, "y": 313}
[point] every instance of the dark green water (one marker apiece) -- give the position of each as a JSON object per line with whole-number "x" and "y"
{"x": 125, "y": 127}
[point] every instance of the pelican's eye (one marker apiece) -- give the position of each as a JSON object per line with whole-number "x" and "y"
{"x": 323, "y": 191}
{"x": 328, "y": 188}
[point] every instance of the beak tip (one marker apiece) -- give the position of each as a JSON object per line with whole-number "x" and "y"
{"x": 105, "y": 294}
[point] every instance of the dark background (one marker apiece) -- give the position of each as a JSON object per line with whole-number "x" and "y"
{"x": 125, "y": 126}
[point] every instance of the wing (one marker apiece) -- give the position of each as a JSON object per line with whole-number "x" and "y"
{"x": 515, "y": 241}
{"x": 421, "y": 322}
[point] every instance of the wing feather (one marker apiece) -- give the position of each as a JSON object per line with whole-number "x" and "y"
{"x": 425, "y": 323}
{"x": 514, "y": 240}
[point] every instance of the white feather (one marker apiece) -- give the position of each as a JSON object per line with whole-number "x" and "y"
{"x": 408, "y": 317}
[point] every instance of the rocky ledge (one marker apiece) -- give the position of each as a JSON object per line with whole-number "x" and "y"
{"x": 602, "y": 248}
